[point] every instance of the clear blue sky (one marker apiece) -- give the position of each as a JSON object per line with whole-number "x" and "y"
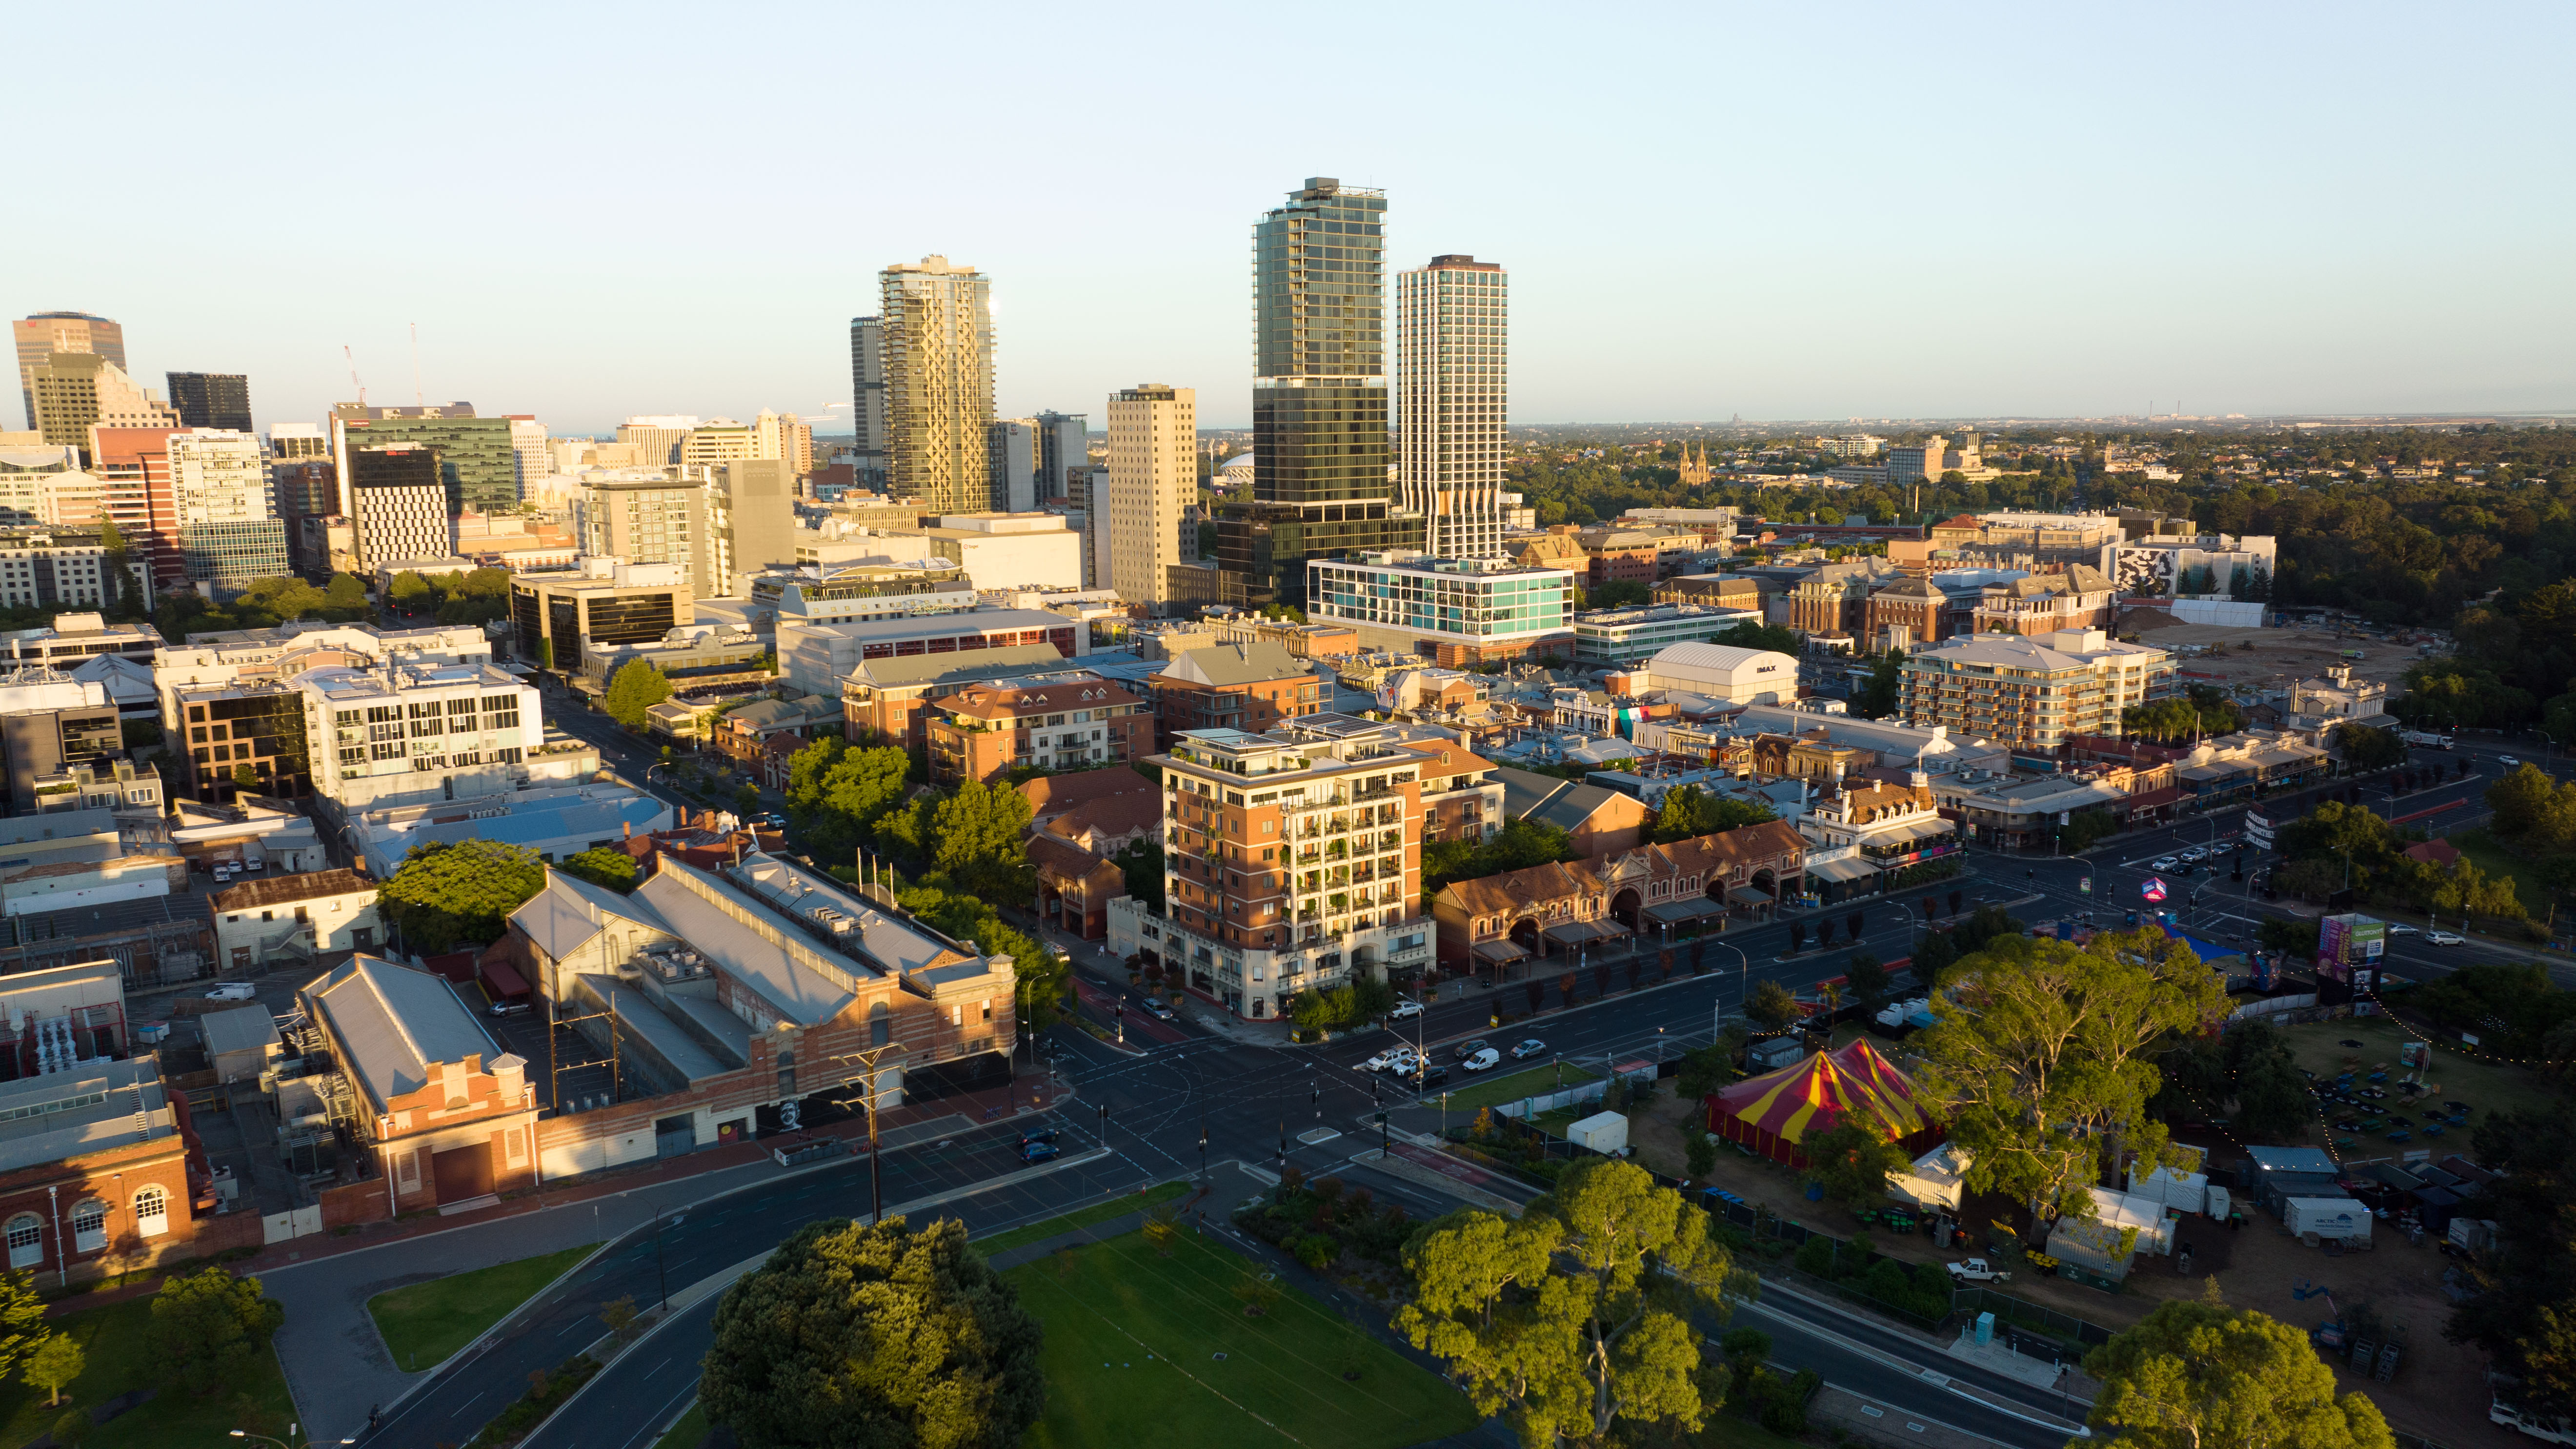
{"x": 1777, "y": 211}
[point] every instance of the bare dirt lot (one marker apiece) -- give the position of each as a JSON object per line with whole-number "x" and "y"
{"x": 2279, "y": 656}
{"x": 2440, "y": 1388}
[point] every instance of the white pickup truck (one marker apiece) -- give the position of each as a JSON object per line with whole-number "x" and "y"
{"x": 1977, "y": 1270}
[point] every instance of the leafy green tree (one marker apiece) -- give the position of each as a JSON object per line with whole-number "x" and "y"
{"x": 2367, "y": 747}
{"x": 980, "y": 835}
{"x": 638, "y": 685}
{"x": 602, "y": 865}
{"x": 1749, "y": 635}
{"x": 209, "y": 1327}
{"x": 1618, "y": 595}
{"x": 1577, "y": 1316}
{"x": 2087, "y": 828}
{"x": 1853, "y": 1160}
{"x": 1869, "y": 981}
{"x": 1691, "y": 812}
{"x": 448, "y": 893}
{"x": 2041, "y": 1052}
{"x": 882, "y": 1335}
{"x": 838, "y": 792}
{"x": 1771, "y": 1006}
{"x": 54, "y": 1365}
{"x": 346, "y": 591}
{"x": 22, "y": 1320}
{"x": 1142, "y": 863}
{"x": 410, "y": 592}
{"x": 2199, "y": 1373}
{"x": 1517, "y": 846}
{"x": 245, "y": 778}
{"x": 1879, "y": 698}
{"x": 2522, "y": 1318}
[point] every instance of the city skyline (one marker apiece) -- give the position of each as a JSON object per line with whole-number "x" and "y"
{"x": 2050, "y": 215}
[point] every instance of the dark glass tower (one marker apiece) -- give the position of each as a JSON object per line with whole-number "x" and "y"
{"x": 1319, "y": 435}
{"x": 211, "y": 399}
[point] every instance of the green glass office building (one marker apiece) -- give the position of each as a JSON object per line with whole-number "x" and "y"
{"x": 1319, "y": 398}
{"x": 478, "y": 464}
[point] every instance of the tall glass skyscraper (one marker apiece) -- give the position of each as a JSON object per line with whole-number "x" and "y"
{"x": 1320, "y": 486}
{"x": 1450, "y": 376}
{"x": 937, "y": 344}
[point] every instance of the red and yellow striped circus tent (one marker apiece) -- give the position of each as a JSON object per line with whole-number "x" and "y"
{"x": 1774, "y": 1112}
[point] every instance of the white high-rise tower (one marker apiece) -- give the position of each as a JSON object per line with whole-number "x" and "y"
{"x": 1153, "y": 479}
{"x": 1452, "y": 395}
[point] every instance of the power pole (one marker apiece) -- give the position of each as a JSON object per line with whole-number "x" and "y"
{"x": 867, "y": 1077}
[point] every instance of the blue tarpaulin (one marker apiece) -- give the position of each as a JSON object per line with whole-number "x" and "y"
{"x": 2206, "y": 950}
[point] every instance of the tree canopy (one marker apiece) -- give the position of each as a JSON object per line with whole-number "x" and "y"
{"x": 638, "y": 685}
{"x": 884, "y": 1335}
{"x": 1690, "y": 812}
{"x": 2198, "y": 1373}
{"x": 1577, "y": 1315}
{"x": 1854, "y": 1160}
{"x": 602, "y": 865}
{"x": 2523, "y": 1315}
{"x": 2041, "y": 1052}
{"x": 22, "y": 1320}
{"x": 451, "y": 893}
{"x": 1517, "y": 846}
{"x": 838, "y": 792}
{"x": 208, "y": 1327}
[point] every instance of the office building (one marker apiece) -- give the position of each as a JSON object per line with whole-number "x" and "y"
{"x": 1153, "y": 481}
{"x": 236, "y": 554}
{"x": 1458, "y": 611}
{"x": 555, "y": 612}
{"x": 33, "y": 482}
{"x": 1000, "y": 550}
{"x": 2032, "y": 692}
{"x": 49, "y": 723}
{"x": 816, "y": 658}
{"x": 1011, "y": 450}
{"x": 1064, "y": 444}
{"x": 1633, "y": 635}
{"x": 298, "y": 440}
{"x": 656, "y": 440}
{"x": 133, "y": 468}
{"x": 1245, "y": 686}
{"x": 751, "y": 522}
{"x": 76, "y": 393}
{"x": 718, "y": 440}
{"x": 40, "y": 335}
{"x": 1320, "y": 485}
{"x": 217, "y": 476}
{"x": 400, "y": 736}
{"x": 322, "y": 544}
{"x": 1451, "y": 374}
{"x": 938, "y": 350}
{"x": 476, "y": 458}
{"x": 534, "y": 461}
{"x": 400, "y": 500}
{"x": 52, "y": 569}
{"x": 212, "y": 661}
{"x": 868, "y": 399}
{"x": 1294, "y": 859}
{"x": 210, "y": 399}
{"x": 650, "y": 516}
{"x": 786, "y": 438}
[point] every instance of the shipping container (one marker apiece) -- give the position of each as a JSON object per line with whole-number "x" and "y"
{"x": 2327, "y": 1217}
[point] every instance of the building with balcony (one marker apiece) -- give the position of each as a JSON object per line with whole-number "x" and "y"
{"x": 1877, "y": 828}
{"x": 1632, "y": 636}
{"x": 886, "y": 701}
{"x": 1459, "y": 611}
{"x": 1054, "y": 722}
{"x": 2033, "y": 693}
{"x": 2079, "y": 597}
{"x": 400, "y": 735}
{"x": 1293, "y": 860}
{"x": 1235, "y": 686}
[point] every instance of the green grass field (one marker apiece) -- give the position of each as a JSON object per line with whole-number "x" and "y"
{"x": 426, "y": 1322}
{"x": 686, "y": 1433}
{"x": 1099, "y": 1212}
{"x": 1472, "y": 1092}
{"x": 1143, "y": 1349}
{"x": 2496, "y": 861}
{"x": 2488, "y": 1087}
{"x": 118, "y": 1342}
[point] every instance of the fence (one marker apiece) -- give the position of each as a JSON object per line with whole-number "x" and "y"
{"x": 1550, "y": 1101}
{"x": 2021, "y": 1312}
{"x": 2273, "y": 1006}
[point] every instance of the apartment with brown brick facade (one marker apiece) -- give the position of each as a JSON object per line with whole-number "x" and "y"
{"x": 988, "y": 729}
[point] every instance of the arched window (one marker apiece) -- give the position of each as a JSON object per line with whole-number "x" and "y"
{"x": 880, "y": 1026}
{"x": 89, "y": 1226}
{"x": 152, "y": 1210}
{"x": 26, "y": 1240}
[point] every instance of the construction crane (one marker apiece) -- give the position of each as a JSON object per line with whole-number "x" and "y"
{"x": 353, "y": 374}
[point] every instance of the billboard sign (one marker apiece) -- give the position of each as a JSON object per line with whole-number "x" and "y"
{"x": 2153, "y": 890}
{"x": 2258, "y": 831}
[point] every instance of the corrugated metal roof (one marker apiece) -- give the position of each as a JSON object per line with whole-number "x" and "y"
{"x": 243, "y": 1029}
{"x": 395, "y": 1022}
{"x": 562, "y": 918}
{"x": 774, "y": 965}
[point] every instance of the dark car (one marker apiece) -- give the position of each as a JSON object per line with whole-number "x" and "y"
{"x": 1436, "y": 1077}
{"x": 1036, "y": 1135}
{"x": 1160, "y": 1011}
{"x": 1468, "y": 1049}
{"x": 1039, "y": 1152}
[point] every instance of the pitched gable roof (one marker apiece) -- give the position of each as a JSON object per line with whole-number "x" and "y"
{"x": 1050, "y": 795}
{"x": 398, "y": 1023}
{"x": 1221, "y": 665}
{"x": 1514, "y": 890}
{"x": 562, "y": 918}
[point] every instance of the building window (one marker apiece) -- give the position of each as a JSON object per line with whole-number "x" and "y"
{"x": 152, "y": 1211}
{"x": 26, "y": 1241}
{"x": 89, "y": 1226}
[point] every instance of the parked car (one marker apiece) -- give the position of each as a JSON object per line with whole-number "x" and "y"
{"x": 1529, "y": 1048}
{"x": 1435, "y": 1077}
{"x": 1483, "y": 1061}
{"x": 1380, "y": 1062}
{"x": 1039, "y": 1152}
{"x": 1468, "y": 1049}
{"x": 234, "y": 991}
{"x": 2406, "y": 930}
{"x": 510, "y": 1007}
{"x": 1404, "y": 1009}
{"x": 1976, "y": 1270}
{"x": 2445, "y": 938}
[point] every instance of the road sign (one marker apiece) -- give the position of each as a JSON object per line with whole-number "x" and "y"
{"x": 2153, "y": 890}
{"x": 2085, "y": 885}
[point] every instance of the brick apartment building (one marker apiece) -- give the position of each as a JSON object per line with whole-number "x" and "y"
{"x": 1234, "y": 686}
{"x": 1565, "y": 909}
{"x": 887, "y": 701}
{"x": 985, "y": 730}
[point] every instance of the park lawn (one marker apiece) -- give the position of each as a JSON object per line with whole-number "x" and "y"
{"x": 1144, "y": 1349}
{"x": 118, "y": 1342}
{"x": 2488, "y": 1087}
{"x": 686, "y": 1433}
{"x": 1099, "y": 1212}
{"x": 425, "y": 1323}
{"x": 1725, "y": 1431}
{"x": 1495, "y": 1091}
{"x": 2496, "y": 861}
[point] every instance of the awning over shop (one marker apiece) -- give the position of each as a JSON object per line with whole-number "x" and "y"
{"x": 1748, "y": 896}
{"x": 1575, "y": 933}
{"x": 1911, "y": 832}
{"x": 1500, "y": 952}
{"x": 1692, "y": 908}
{"x": 2152, "y": 799}
{"x": 1849, "y": 868}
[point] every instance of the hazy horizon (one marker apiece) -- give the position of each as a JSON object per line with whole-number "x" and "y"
{"x": 1881, "y": 213}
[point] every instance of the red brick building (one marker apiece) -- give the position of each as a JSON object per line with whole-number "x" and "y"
{"x": 100, "y": 1162}
{"x": 1235, "y": 686}
{"x": 1075, "y": 886}
{"x": 985, "y": 730}
{"x": 887, "y": 701}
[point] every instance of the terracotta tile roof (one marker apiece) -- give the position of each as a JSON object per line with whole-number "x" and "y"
{"x": 1515, "y": 889}
{"x": 1063, "y": 859}
{"x": 1745, "y": 845}
{"x": 1054, "y": 794}
{"x": 1447, "y": 757}
{"x": 993, "y": 701}
{"x": 1115, "y": 816}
